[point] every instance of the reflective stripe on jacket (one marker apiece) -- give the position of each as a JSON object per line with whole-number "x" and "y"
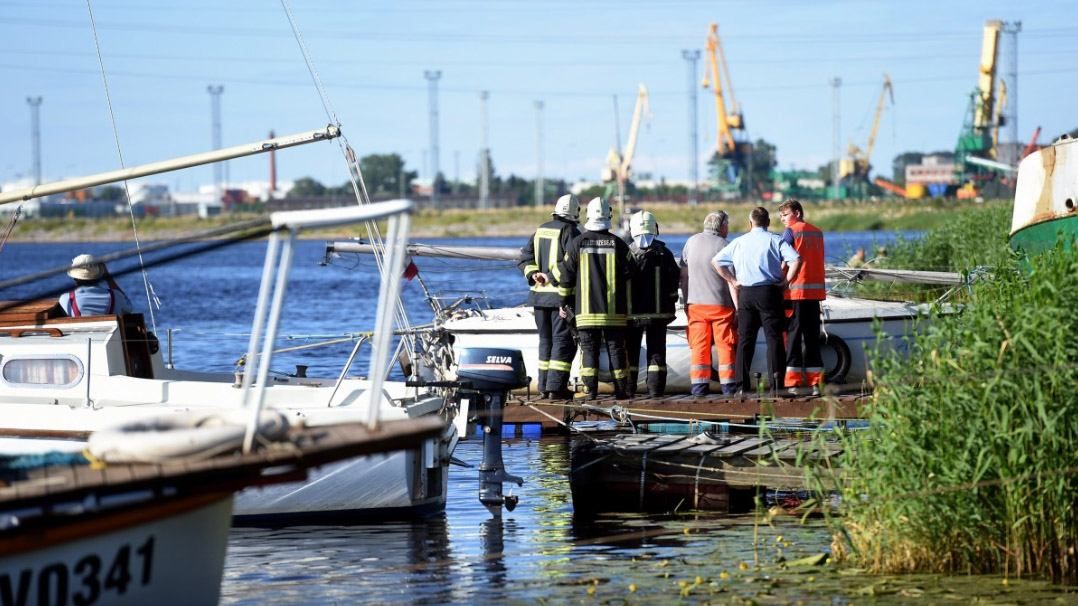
{"x": 809, "y": 284}
{"x": 597, "y": 269}
{"x": 543, "y": 253}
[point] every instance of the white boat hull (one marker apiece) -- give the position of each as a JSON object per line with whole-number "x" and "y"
{"x": 178, "y": 559}
{"x": 851, "y": 320}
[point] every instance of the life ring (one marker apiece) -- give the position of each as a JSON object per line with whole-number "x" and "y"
{"x": 842, "y": 354}
{"x": 189, "y": 435}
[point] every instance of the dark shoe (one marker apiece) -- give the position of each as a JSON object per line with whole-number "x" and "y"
{"x": 655, "y": 395}
{"x": 700, "y": 391}
{"x": 546, "y": 395}
{"x": 561, "y": 394}
{"x": 621, "y": 395}
{"x": 729, "y": 389}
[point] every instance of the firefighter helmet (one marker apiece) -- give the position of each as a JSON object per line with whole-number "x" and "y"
{"x": 598, "y": 210}
{"x": 567, "y": 207}
{"x": 642, "y": 223}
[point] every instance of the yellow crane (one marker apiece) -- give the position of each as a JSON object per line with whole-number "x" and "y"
{"x": 727, "y": 121}
{"x": 619, "y": 163}
{"x": 857, "y": 164}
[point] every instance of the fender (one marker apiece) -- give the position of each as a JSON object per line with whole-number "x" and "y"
{"x": 842, "y": 353}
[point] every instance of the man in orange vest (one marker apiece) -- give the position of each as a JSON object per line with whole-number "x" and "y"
{"x": 804, "y": 365}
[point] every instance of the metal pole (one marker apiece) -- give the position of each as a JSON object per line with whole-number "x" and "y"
{"x": 539, "y": 185}
{"x": 215, "y": 134}
{"x": 1012, "y": 29}
{"x": 484, "y": 154}
{"x": 692, "y": 56}
{"x": 456, "y": 170}
{"x": 35, "y": 136}
{"x": 432, "y": 77}
{"x": 836, "y": 134}
{"x": 617, "y": 170}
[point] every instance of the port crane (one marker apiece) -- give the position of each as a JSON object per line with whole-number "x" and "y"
{"x": 731, "y": 149}
{"x": 980, "y": 133}
{"x": 619, "y": 163}
{"x": 857, "y": 165}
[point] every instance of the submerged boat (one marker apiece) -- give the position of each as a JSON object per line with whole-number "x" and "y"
{"x": 852, "y": 327}
{"x": 63, "y": 378}
{"x": 1045, "y": 197}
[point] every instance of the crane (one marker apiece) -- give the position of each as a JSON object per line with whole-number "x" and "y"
{"x": 619, "y": 163}
{"x": 730, "y": 149}
{"x": 857, "y": 164}
{"x": 980, "y": 131}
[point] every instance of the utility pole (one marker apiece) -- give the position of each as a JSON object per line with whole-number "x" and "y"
{"x": 836, "y": 134}
{"x": 539, "y": 185}
{"x": 692, "y": 56}
{"x": 617, "y": 169}
{"x": 1012, "y": 29}
{"x": 456, "y": 170}
{"x": 432, "y": 77}
{"x": 215, "y": 135}
{"x": 484, "y": 153}
{"x": 35, "y": 136}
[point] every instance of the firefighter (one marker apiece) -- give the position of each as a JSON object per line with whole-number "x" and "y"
{"x": 595, "y": 287}
{"x": 539, "y": 260}
{"x": 653, "y": 302}
{"x": 804, "y": 364}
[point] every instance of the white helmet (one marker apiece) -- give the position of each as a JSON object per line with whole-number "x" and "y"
{"x": 598, "y": 210}
{"x": 642, "y": 223}
{"x": 567, "y": 207}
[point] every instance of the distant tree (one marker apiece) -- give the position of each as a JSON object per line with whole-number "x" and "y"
{"x": 385, "y": 174}
{"x": 306, "y": 187}
{"x": 109, "y": 193}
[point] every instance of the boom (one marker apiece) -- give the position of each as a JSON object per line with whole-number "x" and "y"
{"x": 727, "y": 121}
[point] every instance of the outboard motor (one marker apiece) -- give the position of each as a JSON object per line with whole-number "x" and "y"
{"x": 492, "y": 373}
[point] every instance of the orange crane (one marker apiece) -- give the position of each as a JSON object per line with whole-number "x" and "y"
{"x": 730, "y": 147}
{"x": 1032, "y": 145}
{"x": 857, "y": 164}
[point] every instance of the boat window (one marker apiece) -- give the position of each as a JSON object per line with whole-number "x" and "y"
{"x": 53, "y": 371}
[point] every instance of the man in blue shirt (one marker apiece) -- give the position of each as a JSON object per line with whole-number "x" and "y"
{"x": 752, "y": 265}
{"x": 95, "y": 292}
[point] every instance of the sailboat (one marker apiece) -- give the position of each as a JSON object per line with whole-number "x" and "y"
{"x": 852, "y": 327}
{"x": 64, "y": 377}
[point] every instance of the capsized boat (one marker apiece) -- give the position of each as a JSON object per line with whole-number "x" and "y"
{"x": 852, "y": 327}
{"x": 1045, "y": 197}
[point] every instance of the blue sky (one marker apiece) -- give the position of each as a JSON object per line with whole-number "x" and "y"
{"x": 574, "y": 55}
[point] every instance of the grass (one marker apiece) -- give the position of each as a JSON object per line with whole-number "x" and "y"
{"x": 521, "y": 221}
{"x": 969, "y": 463}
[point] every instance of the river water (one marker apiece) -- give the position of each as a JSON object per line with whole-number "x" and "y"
{"x": 537, "y": 553}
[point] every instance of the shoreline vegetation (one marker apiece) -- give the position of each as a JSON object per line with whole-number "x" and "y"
{"x": 968, "y": 463}
{"x": 518, "y": 221}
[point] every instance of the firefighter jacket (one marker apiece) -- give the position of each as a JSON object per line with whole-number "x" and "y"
{"x": 655, "y": 285}
{"x": 807, "y": 240}
{"x": 544, "y": 252}
{"x": 596, "y": 276}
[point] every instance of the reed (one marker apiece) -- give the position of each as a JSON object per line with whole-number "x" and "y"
{"x": 969, "y": 463}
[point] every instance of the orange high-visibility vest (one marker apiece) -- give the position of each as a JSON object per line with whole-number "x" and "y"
{"x": 808, "y": 285}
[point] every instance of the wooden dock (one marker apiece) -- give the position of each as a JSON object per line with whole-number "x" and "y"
{"x": 552, "y": 415}
{"x": 656, "y": 472}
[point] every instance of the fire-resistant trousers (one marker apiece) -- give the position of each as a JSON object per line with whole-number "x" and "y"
{"x": 712, "y": 325}
{"x": 760, "y": 306}
{"x": 556, "y": 349}
{"x": 591, "y": 339}
{"x": 804, "y": 365}
{"x": 655, "y": 333}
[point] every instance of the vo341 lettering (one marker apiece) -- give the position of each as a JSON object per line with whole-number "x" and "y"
{"x": 85, "y": 583}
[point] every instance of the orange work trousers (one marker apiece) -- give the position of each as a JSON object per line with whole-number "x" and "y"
{"x": 712, "y": 325}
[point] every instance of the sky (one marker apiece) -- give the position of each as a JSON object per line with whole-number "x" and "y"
{"x": 575, "y": 56}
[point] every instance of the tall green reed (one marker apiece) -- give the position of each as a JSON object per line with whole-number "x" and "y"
{"x": 970, "y": 461}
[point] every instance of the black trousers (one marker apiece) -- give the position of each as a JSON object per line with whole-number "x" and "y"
{"x": 655, "y": 333}
{"x": 761, "y": 306}
{"x": 803, "y": 339}
{"x": 591, "y": 339}
{"x": 556, "y": 349}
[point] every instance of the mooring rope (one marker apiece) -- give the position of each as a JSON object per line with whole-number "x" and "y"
{"x": 151, "y": 296}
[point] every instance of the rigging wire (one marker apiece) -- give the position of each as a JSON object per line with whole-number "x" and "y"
{"x": 11, "y": 226}
{"x": 151, "y": 296}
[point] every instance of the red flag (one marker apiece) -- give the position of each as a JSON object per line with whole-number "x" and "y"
{"x": 411, "y": 271}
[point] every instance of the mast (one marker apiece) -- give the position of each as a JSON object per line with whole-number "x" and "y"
{"x": 239, "y": 151}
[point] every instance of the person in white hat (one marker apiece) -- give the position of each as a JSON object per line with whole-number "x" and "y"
{"x": 95, "y": 292}
{"x": 539, "y": 260}
{"x": 654, "y": 301}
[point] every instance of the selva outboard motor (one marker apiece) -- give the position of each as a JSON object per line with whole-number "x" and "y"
{"x": 492, "y": 374}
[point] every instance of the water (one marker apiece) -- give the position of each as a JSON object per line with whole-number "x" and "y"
{"x": 536, "y": 553}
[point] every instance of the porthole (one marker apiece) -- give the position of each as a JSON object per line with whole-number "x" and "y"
{"x": 42, "y": 371}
